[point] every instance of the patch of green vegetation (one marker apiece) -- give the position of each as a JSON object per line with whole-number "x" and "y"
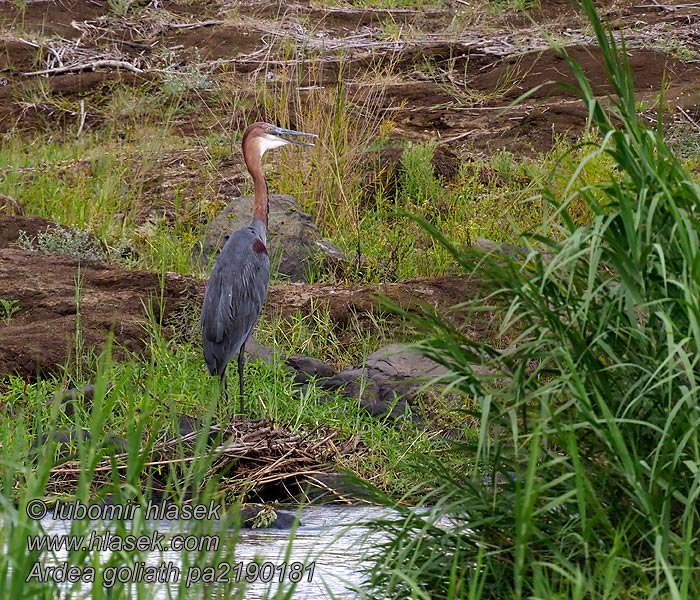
{"x": 8, "y": 308}
{"x": 119, "y": 7}
{"x": 147, "y": 192}
{"x": 142, "y": 403}
{"x": 583, "y": 481}
{"x": 149, "y": 396}
{"x": 683, "y": 136}
{"x": 595, "y": 407}
{"x": 29, "y": 435}
{"x": 101, "y": 183}
{"x": 58, "y": 240}
{"x": 668, "y": 43}
{"x": 496, "y": 198}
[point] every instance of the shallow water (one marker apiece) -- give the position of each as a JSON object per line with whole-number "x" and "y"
{"x": 328, "y": 547}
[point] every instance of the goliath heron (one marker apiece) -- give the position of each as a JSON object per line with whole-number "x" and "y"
{"x": 237, "y": 287}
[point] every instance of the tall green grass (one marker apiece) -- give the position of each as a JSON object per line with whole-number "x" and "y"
{"x": 586, "y": 475}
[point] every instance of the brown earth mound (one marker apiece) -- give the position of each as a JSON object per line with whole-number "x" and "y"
{"x": 50, "y": 326}
{"x": 444, "y": 73}
{"x": 42, "y": 333}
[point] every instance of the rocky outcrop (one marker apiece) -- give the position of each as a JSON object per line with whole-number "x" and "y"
{"x": 388, "y": 381}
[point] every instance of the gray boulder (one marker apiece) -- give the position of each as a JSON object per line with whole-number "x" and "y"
{"x": 303, "y": 367}
{"x": 293, "y": 240}
{"x": 388, "y": 381}
{"x": 403, "y": 362}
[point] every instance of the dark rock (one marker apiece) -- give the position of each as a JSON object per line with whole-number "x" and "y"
{"x": 294, "y": 241}
{"x": 188, "y": 424}
{"x": 376, "y": 397}
{"x": 255, "y": 349}
{"x": 83, "y": 393}
{"x": 403, "y": 362}
{"x": 342, "y": 379}
{"x": 388, "y": 382}
{"x": 500, "y": 248}
{"x": 331, "y": 487}
{"x": 373, "y": 394}
{"x": 304, "y": 367}
{"x": 308, "y": 367}
{"x": 366, "y": 390}
{"x": 66, "y": 441}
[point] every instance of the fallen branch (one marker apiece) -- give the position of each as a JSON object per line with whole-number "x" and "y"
{"x": 690, "y": 119}
{"x": 91, "y": 66}
{"x": 667, "y": 7}
{"x": 83, "y": 114}
{"x": 210, "y": 23}
{"x": 454, "y": 138}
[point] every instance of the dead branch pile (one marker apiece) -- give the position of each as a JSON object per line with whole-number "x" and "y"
{"x": 246, "y": 455}
{"x": 112, "y": 43}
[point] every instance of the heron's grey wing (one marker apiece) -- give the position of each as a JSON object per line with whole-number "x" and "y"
{"x": 233, "y": 301}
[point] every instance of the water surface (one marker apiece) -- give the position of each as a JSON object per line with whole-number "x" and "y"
{"x": 328, "y": 545}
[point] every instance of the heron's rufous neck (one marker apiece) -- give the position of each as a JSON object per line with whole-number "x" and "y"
{"x": 260, "y": 203}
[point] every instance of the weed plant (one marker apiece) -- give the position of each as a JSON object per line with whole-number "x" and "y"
{"x": 8, "y": 308}
{"x": 586, "y": 479}
{"x": 57, "y": 240}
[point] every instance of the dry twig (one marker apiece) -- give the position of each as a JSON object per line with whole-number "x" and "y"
{"x": 90, "y": 66}
{"x": 252, "y": 453}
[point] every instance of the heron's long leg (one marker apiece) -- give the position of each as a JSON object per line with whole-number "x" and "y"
{"x": 222, "y": 386}
{"x": 240, "y": 375}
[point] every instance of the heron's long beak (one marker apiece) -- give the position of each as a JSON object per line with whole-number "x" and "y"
{"x": 284, "y": 133}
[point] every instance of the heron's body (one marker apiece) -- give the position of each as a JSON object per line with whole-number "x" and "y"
{"x": 238, "y": 283}
{"x": 235, "y": 296}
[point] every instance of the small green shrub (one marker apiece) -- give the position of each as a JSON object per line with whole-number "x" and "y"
{"x": 7, "y": 309}
{"x": 61, "y": 240}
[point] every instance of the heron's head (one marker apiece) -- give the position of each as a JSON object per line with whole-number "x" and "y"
{"x": 261, "y": 137}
